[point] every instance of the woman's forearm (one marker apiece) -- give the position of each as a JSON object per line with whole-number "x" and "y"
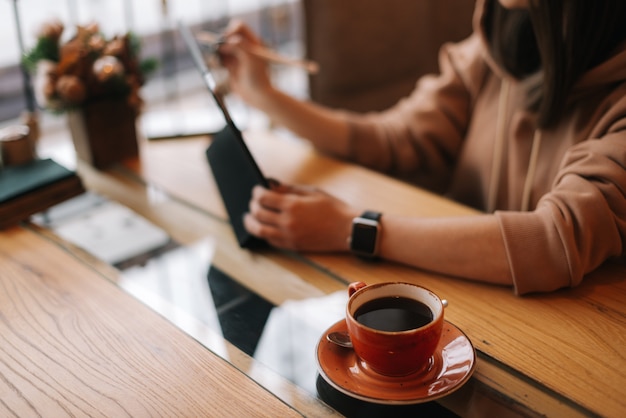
{"x": 327, "y": 130}
{"x": 470, "y": 247}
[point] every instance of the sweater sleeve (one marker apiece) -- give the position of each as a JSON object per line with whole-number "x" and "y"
{"x": 419, "y": 138}
{"x": 575, "y": 227}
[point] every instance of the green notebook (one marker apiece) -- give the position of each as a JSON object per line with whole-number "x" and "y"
{"x": 22, "y": 179}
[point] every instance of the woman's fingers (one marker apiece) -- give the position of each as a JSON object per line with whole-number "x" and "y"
{"x": 299, "y": 218}
{"x": 264, "y": 214}
{"x": 239, "y": 28}
{"x": 267, "y": 231}
{"x": 267, "y": 199}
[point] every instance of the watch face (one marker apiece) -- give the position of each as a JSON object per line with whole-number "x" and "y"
{"x": 364, "y": 232}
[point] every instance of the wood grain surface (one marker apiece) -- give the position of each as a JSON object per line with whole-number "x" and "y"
{"x": 73, "y": 344}
{"x": 565, "y": 349}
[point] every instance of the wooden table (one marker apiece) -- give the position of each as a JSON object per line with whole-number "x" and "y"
{"x": 74, "y": 344}
{"x": 560, "y": 354}
{"x": 555, "y": 354}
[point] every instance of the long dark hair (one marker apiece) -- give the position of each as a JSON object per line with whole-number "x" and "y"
{"x": 557, "y": 39}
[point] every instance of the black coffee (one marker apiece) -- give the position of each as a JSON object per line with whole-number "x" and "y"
{"x": 393, "y": 313}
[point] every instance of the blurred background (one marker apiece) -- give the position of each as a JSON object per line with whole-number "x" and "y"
{"x": 370, "y": 52}
{"x": 155, "y": 22}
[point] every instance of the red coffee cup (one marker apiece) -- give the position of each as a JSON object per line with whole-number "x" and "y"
{"x": 394, "y": 327}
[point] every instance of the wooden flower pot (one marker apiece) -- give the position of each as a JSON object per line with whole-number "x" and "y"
{"x": 104, "y": 132}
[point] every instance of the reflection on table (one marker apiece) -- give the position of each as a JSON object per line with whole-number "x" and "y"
{"x": 184, "y": 287}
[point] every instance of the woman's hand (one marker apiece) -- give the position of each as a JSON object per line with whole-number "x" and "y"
{"x": 248, "y": 74}
{"x": 249, "y": 78}
{"x": 300, "y": 218}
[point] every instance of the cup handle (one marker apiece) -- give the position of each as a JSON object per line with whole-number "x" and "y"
{"x": 354, "y": 286}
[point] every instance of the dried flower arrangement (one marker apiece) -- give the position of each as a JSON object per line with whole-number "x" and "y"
{"x": 87, "y": 68}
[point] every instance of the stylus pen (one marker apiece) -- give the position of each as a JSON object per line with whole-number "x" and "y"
{"x": 214, "y": 40}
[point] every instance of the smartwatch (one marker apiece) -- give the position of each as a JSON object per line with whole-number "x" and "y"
{"x": 365, "y": 234}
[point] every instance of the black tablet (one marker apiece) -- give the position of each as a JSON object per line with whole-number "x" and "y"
{"x": 231, "y": 162}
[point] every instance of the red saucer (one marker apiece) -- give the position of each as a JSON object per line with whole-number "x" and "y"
{"x": 451, "y": 366}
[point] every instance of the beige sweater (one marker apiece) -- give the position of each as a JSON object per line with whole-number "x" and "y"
{"x": 558, "y": 194}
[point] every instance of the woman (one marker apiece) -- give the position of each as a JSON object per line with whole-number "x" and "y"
{"x": 526, "y": 121}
